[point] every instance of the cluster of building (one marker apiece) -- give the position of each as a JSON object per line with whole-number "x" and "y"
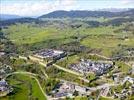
{"x": 68, "y": 89}
{"x": 87, "y": 66}
{"x": 4, "y": 69}
{"x": 130, "y": 52}
{"x": 125, "y": 93}
{"x": 4, "y": 87}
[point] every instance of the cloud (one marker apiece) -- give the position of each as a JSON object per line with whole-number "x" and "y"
{"x": 67, "y": 2}
{"x": 37, "y": 8}
{"x": 125, "y": 2}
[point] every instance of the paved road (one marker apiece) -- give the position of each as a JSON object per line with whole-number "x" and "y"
{"x": 92, "y": 88}
{"x": 111, "y": 58}
{"x": 100, "y": 56}
{"x": 80, "y": 76}
{"x": 61, "y": 68}
{"x": 33, "y": 76}
{"x": 67, "y": 70}
{"x": 101, "y": 86}
{"x": 21, "y": 72}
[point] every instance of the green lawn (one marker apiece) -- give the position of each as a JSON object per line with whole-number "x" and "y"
{"x": 123, "y": 67}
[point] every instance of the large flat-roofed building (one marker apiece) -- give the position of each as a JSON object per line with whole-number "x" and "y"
{"x": 49, "y": 53}
{"x": 48, "y": 56}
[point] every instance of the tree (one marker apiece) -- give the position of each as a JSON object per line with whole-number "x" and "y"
{"x": 76, "y": 93}
{"x": 91, "y": 76}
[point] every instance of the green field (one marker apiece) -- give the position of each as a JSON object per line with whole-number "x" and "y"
{"x": 104, "y": 39}
{"x": 28, "y": 34}
{"x": 123, "y": 67}
{"x": 107, "y": 44}
{"x": 23, "y": 34}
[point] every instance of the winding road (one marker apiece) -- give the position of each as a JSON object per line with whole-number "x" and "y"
{"x": 33, "y": 76}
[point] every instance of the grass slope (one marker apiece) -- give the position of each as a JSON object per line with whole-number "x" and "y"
{"x": 24, "y": 88}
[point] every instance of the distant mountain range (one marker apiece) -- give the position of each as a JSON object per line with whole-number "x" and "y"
{"x": 115, "y": 9}
{"x": 125, "y": 16}
{"x": 111, "y": 12}
{"x": 8, "y": 16}
{"x": 85, "y": 13}
{"x": 18, "y": 20}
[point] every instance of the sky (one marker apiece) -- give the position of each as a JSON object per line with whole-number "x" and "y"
{"x": 39, "y": 7}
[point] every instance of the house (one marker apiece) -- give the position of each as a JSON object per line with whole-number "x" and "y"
{"x": 2, "y": 53}
{"x": 4, "y": 69}
{"x": 129, "y": 79}
{"x": 80, "y": 89}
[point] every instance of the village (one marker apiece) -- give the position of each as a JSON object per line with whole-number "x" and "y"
{"x": 85, "y": 67}
{"x": 68, "y": 89}
{"x": 100, "y": 68}
{"x": 88, "y": 66}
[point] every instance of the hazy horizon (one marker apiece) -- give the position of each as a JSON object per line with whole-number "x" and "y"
{"x": 39, "y": 7}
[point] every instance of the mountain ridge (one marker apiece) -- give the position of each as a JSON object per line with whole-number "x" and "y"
{"x": 86, "y": 13}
